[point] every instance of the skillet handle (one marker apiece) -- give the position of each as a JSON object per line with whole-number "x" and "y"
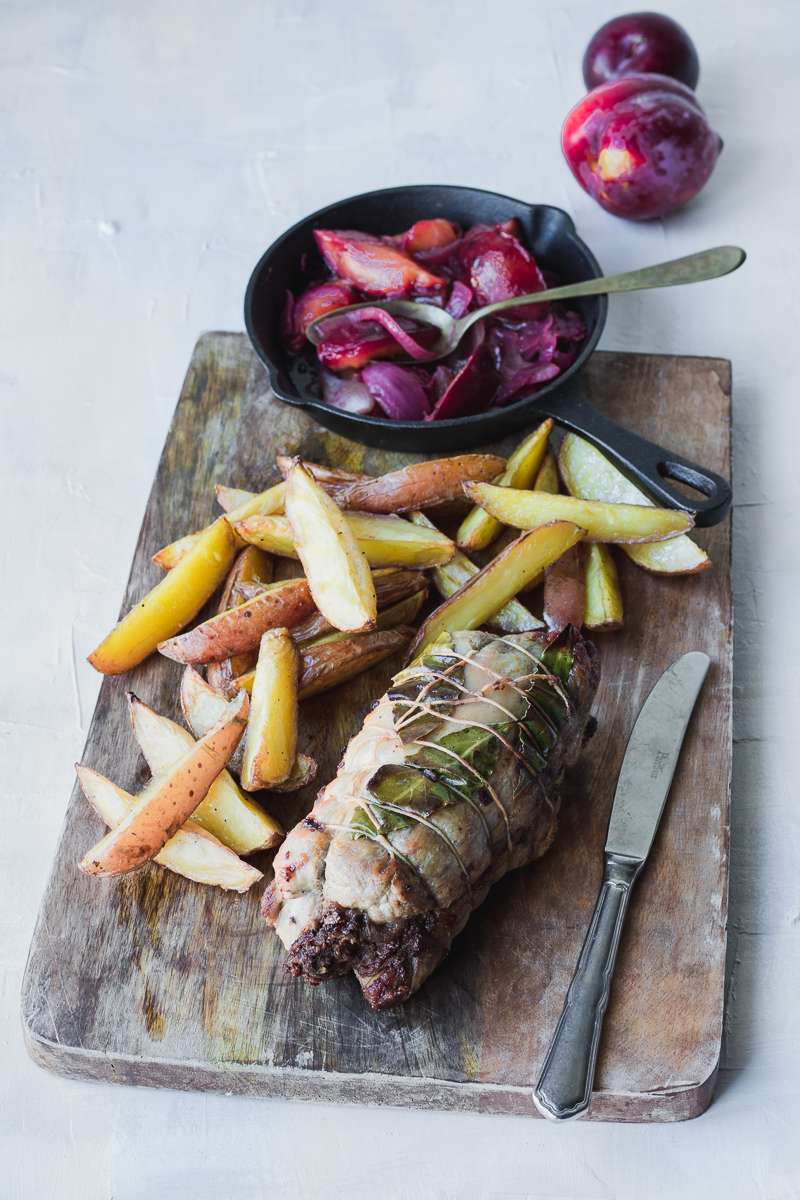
{"x": 644, "y": 462}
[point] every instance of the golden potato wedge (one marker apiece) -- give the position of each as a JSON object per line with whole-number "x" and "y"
{"x": 386, "y": 541}
{"x": 337, "y": 571}
{"x": 547, "y": 477}
{"x": 340, "y": 657}
{"x": 603, "y": 598}
{"x": 192, "y": 852}
{"x": 478, "y": 529}
{"x": 171, "y": 604}
{"x": 169, "y": 799}
{"x": 491, "y": 589}
{"x": 226, "y": 812}
{"x": 270, "y": 744}
{"x": 420, "y": 485}
{"x": 201, "y": 707}
{"x": 564, "y": 591}
{"x": 269, "y": 501}
{"x": 602, "y": 522}
{"x": 230, "y": 498}
{"x": 589, "y": 475}
{"x": 170, "y": 555}
{"x": 513, "y": 617}
{"x": 239, "y": 629}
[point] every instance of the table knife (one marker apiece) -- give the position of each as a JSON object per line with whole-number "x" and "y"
{"x": 564, "y": 1088}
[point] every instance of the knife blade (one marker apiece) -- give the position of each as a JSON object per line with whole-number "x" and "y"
{"x": 564, "y": 1088}
{"x": 652, "y": 755}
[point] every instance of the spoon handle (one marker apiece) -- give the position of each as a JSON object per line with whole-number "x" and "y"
{"x": 693, "y": 268}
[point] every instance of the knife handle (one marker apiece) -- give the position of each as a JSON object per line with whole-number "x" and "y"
{"x": 564, "y": 1088}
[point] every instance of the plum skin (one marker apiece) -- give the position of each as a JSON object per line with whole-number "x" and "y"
{"x": 640, "y": 43}
{"x": 640, "y": 146}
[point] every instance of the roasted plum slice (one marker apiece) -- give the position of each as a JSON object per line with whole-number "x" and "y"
{"x": 372, "y": 265}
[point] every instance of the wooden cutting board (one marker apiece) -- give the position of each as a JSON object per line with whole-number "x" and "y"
{"x": 150, "y": 979}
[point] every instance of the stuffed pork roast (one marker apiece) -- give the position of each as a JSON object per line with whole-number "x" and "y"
{"x": 451, "y": 782}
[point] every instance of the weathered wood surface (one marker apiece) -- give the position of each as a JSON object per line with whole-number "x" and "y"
{"x": 151, "y": 979}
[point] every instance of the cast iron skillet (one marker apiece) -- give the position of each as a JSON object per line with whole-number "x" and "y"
{"x": 293, "y": 261}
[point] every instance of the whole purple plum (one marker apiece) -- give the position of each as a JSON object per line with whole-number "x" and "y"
{"x": 640, "y": 146}
{"x": 641, "y": 43}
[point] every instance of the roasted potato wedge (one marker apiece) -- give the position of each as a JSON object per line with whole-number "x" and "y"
{"x": 192, "y": 852}
{"x": 404, "y": 612}
{"x": 547, "y": 477}
{"x": 231, "y": 498}
{"x": 171, "y": 604}
{"x": 420, "y": 485}
{"x": 169, "y": 799}
{"x": 269, "y": 501}
{"x": 336, "y": 568}
{"x": 603, "y": 597}
{"x": 226, "y": 811}
{"x": 602, "y": 522}
{"x": 391, "y": 586}
{"x": 170, "y": 555}
{"x": 322, "y": 473}
{"x": 564, "y": 591}
{"x": 589, "y": 475}
{"x": 338, "y": 658}
{"x": 253, "y": 568}
{"x": 491, "y": 589}
{"x": 513, "y": 617}
{"x": 386, "y": 541}
{"x": 201, "y": 707}
{"x": 304, "y": 772}
{"x": 478, "y": 529}
{"x": 270, "y": 744}
{"x": 239, "y": 629}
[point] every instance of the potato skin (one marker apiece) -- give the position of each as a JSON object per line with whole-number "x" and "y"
{"x": 328, "y": 663}
{"x": 421, "y": 485}
{"x": 169, "y": 800}
{"x": 239, "y": 629}
{"x": 564, "y": 591}
{"x": 192, "y": 852}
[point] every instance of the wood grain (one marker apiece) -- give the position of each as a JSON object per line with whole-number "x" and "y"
{"x": 151, "y": 979}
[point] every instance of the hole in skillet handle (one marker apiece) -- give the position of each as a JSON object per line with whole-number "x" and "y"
{"x": 716, "y": 490}
{"x": 292, "y": 262}
{"x": 645, "y": 463}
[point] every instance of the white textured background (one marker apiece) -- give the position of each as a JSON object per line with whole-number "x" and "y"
{"x": 148, "y": 153}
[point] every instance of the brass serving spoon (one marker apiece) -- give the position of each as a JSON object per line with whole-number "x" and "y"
{"x": 693, "y": 268}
